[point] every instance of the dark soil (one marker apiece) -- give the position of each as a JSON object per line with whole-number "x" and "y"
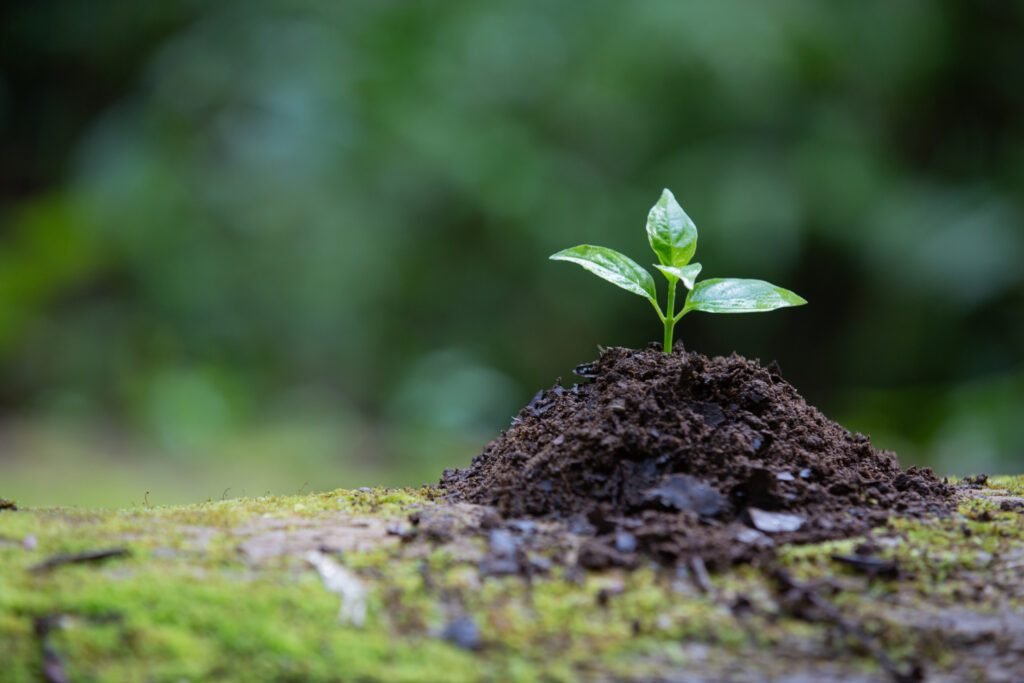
{"x": 683, "y": 456}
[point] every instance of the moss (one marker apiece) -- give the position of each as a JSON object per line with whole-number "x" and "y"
{"x": 1014, "y": 486}
{"x": 186, "y": 605}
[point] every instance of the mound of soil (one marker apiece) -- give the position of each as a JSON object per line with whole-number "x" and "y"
{"x": 683, "y": 455}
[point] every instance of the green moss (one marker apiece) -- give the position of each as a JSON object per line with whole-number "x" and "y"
{"x": 186, "y": 605}
{"x": 171, "y": 613}
{"x": 1014, "y": 486}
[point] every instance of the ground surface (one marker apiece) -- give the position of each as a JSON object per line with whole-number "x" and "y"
{"x": 250, "y": 590}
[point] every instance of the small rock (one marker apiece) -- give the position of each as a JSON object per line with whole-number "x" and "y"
{"x": 625, "y": 542}
{"x": 403, "y": 531}
{"x": 774, "y": 522}
{"x": 343, "y": 583}
{"x": 502, "y": 543}
{"x": 581, "y": 526}
{"x": 524, "y": 526}
{"x": 686, "y": 493}
{"x": 463, "y": 632}
{"x": 785, "y": 476}
{"x": 586, "y": 371}
{"x": 502, "y": 550}
{"x": 712, "y": 413}
{"x": 29, "y": 542}
{"x": 540, "y": 564}
{"x": 754, "y": 537}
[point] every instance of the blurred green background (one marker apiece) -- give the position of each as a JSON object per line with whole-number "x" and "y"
{"x": 283, "y": 246}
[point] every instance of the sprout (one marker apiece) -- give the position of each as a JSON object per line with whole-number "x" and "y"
{"x": 673, "y": 237}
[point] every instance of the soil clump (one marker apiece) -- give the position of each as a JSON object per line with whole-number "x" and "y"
{"x": 682, "y": 456}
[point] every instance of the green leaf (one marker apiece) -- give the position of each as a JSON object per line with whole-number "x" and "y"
{"x": 688, "y": 274}
{"x": 672, "y": 234}
{"x": 612, "y": 266}
{"x": 732, "y": 295}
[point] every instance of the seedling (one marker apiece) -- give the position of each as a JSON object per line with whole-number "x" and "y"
{"x": 673, "y": 237}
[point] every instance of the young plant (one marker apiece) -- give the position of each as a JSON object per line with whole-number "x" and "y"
{"x": 673, "y": 237}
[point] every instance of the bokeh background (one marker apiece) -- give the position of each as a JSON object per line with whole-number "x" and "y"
{"x": 283, "y": 246}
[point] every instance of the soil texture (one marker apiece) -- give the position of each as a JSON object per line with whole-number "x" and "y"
{"x": 682, "y": 456}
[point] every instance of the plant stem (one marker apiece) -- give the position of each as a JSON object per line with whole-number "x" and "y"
{"x": 669, "y": 319}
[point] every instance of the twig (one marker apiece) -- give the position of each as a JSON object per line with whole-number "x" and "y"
{"x": 52, "y": 563}
{"x": 700, "y": 575}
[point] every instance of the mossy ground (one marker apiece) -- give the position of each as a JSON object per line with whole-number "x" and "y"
{"x": 193, "y": 601}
